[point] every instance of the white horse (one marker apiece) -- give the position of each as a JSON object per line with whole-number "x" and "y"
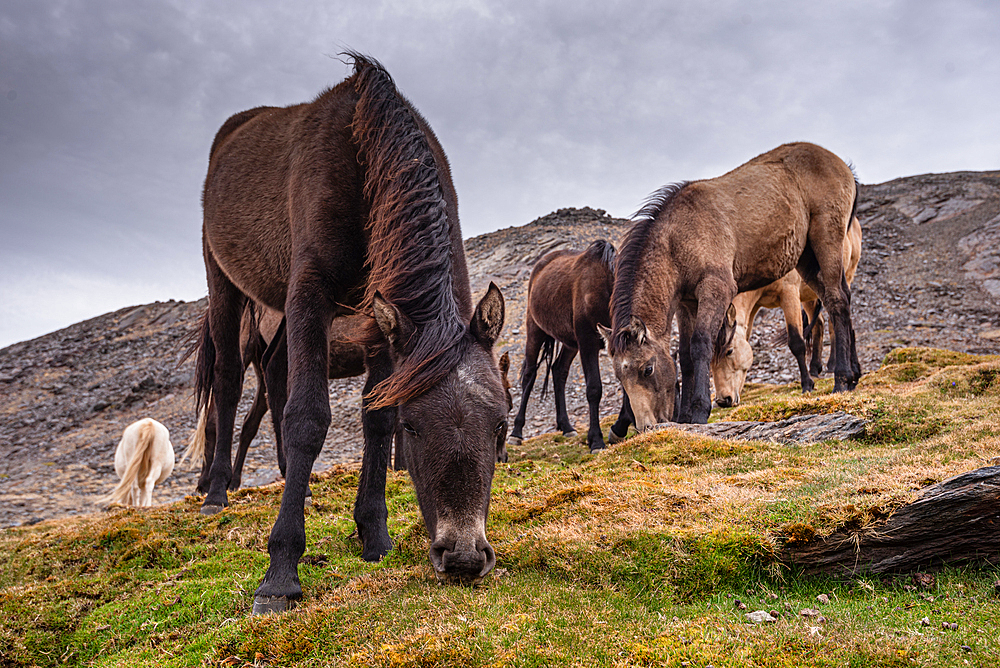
{"x": 144, "y": 458}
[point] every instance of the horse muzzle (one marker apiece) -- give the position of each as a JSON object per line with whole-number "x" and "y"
{"x": 463, "y": 561}
{"x": 727, "y": 402}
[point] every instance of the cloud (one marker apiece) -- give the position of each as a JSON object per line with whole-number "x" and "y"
{"x": 107, "y": 108}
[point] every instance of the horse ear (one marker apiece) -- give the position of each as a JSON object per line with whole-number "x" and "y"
{"x": 606, "y": 335}
{"x": 638, "y": 330}
{"x": 731, "y": 316}
{"x": 504, "y": 364}
{"x": 487, "y": 321}
{"x": 395, "y": 326}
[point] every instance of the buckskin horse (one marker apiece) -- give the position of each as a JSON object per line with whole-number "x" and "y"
{"x": 319, "y": 209}
{"x": 568, "y": 296}
{"x": 732, "y": 361}
{"x": 695, "y": 245}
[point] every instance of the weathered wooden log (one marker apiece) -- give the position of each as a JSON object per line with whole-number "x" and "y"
{"x": 953, "y": 521}
{"x": 797, "y": 429}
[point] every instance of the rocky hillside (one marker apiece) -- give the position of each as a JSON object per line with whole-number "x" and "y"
{"x": 929, "y": 275}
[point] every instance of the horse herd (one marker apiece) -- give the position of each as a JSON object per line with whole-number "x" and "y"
{"x": 332, "y": 248}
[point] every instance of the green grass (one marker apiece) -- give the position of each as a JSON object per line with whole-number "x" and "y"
{"x": 633, "y": 557}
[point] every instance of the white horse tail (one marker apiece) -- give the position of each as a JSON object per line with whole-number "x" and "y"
{"x": 137, "y": 448}
{"x": 196, "y": 446}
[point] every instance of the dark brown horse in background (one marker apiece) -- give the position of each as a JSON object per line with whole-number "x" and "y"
{"x": 696, "y": 245}
{"x": 257, "y": 331}
{"x": 319, "y": 209}
{"x": 568, "y": 296}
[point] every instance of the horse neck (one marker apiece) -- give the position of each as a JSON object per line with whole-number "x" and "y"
{"x": 656, "y": 293}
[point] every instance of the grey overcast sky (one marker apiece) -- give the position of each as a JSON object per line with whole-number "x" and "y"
{"x": 108, "y": 108}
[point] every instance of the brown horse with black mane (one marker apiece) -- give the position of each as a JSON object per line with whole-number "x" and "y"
{"x": 257, "y": 331}
{"x": 568, "y": 296}
{"x": 319, "y": 209}
{"x": 696, "y": 245}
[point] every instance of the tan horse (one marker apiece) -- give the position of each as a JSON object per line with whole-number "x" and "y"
{"x": 144, "y": 458}
{"x": 731, "y": 364}
{"x": 320, "y": 210}
{"x": 696, "y": 245}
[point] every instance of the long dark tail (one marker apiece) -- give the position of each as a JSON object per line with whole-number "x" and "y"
{"x": 410, "y": 254}
{"x": 204, "y": 366}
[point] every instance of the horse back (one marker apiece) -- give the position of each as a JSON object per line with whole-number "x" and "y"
{"x": 570, "y": 288}
{"x": 765, "y": 212}
{"x": 285, "y": 181}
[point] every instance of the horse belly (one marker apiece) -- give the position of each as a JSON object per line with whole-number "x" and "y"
{"x": 247, "y": 232}
{"x": 551, "y": 307}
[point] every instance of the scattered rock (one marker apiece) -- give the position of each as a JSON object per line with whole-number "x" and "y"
{"x": 761, "y": 617}
{"x": 809, "y": 612}
{"x": 924, "y": 580}
{"x": 926, "y": 621}
{"x": 739, "y": 605}
{"x": 823, "y": 599}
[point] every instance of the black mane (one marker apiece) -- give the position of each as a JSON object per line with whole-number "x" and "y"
{"x": 629, "y": 257}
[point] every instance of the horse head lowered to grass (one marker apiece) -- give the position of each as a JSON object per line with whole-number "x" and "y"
{"x": 318, "y": 210}
{"x": 695, "y": 245}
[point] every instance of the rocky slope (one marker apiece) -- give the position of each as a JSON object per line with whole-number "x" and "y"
{"x": 929, "y": 275}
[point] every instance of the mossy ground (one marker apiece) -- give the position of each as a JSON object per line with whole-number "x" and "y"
{"x": 633, "y": 557}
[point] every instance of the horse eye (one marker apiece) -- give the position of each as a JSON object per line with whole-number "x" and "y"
{"x": 500, "y": 427}
{"x": 729, "y": 352}
{"x": 648, "y": 371}
{"x": 408, "y": 428}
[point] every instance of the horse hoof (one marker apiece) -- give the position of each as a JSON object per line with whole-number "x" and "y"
{"x": 570, "y": 434}
{"x": 211, "y": 510}
{"x": 614, "y": 438}
{"x": 514, "y": 440}
{"x": 267, "y": 605}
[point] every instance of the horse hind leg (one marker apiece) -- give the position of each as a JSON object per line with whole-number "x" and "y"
{"x": 827, "y": 279}
{"x": 534, "y": 339}
{"x": 791, "y": 307}
{"x": 590, "y": 361}
{"x": 560, "y": 373}
{"x": 225, "y": 313}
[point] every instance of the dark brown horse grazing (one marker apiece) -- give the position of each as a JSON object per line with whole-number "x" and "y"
{"x": 568, "y": 296}
{"x": 695, "y": 245}
{"x": 315, "y": 210}
{"x": 347, "y": 359}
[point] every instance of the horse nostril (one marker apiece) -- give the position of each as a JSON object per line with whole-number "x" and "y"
{"x": 724, "y": 402}
{"x": 491, "y": 559}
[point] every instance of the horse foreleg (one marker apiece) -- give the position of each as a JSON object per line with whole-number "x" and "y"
{"x": 560, "y": 372}
{"x": 590, "y": 362}
{"x": 714, "y": 295}
{"x": 685, "y": 331}
{"x": 370, "y": 511}
{"x": 792, "y": 308}
{"x": 305, "y": 423}
{"x": 534, "y": 337}
{"x": 620, "y": 428}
